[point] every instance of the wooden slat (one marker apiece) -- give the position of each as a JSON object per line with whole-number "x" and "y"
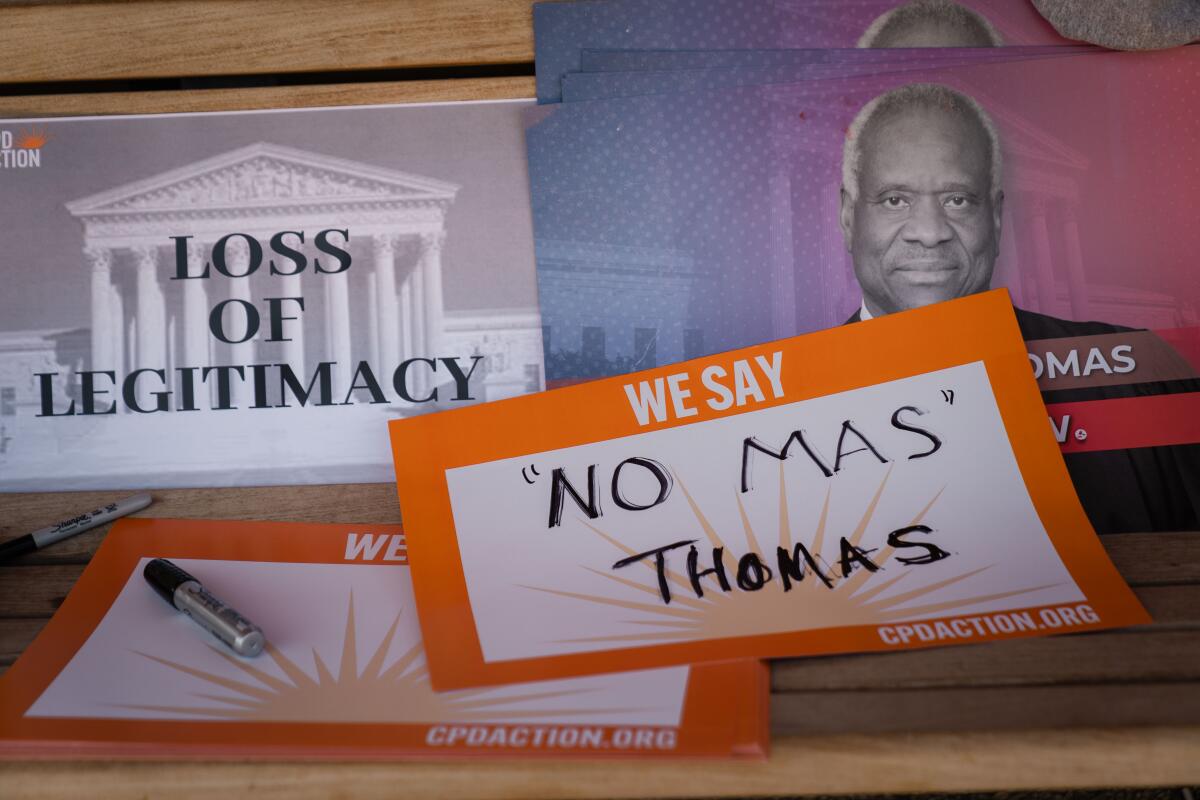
{"x": 34, "y": 581}
{"x": 990, "y": 708}
{"x": 1057, "y": 660}
{"x": 1144, "y": 559}
{"x": 962, "y": 762}
{"x": 21, "y": 513}
{"x": 112, "y": 40}
{"x": 36, "y": 591}
{"x": 271, "y": 97}
{"x": 1160, "y": 653}
{"x": 971, "y": 708}
{"x": 15, "y": 636}
{"x": 1172, "y": 607}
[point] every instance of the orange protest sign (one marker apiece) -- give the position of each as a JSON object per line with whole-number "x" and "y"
{"x": 882, "y": 485}
{"x": 119, "y": 672}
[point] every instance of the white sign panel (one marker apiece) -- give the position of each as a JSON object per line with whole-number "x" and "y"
{"x": 245, "y": 298}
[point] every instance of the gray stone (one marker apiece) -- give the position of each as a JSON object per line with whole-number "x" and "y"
{"x": 1125, "y": 24}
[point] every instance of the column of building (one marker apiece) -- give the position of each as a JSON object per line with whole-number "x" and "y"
{"x": 100, "y": 259}
{"x": 116, "y": 316}
{"x": 237, "y": 262}
{"x": 149, "y": 349}
{"x": 337, "y": 326}
{"x": 195, "y": 308}
{"x": 409, "y": 314}
{"x": 1010, "y": 260}
{"x": 416, "y": 280}
{"x": 431, "y": 267}
{"x": 293, "y": 348}
{"x": 1077, "y": 288}
{"x": 407, "y": 335}
{"x": 387, "y": 312}
{"x": 373, "y": 303}
{"x": 151, "y": 311}
{"x": 1043, "y": 266}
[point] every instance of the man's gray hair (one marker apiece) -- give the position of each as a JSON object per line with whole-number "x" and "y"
{"x": 887, "y": 27}
{"x": 923, "y": 96}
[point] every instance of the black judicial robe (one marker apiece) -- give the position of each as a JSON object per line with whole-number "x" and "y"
{"x": 1124, "y": 491}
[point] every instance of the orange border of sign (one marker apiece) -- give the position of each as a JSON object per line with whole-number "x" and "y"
{"x": 725, "y": 707}
{"x": 981, "y": 327}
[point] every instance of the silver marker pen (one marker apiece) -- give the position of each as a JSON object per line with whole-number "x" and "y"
{"x": 186, "y": 594}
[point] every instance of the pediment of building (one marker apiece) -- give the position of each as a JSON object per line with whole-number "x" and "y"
{"x": 263, "y": 175}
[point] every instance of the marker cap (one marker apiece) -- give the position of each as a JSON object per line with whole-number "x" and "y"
{"x": 165, "y": 578}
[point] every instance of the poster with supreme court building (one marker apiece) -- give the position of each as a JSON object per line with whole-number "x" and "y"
{"x": 246, "y": 298}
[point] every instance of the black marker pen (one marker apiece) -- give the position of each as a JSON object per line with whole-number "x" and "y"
{"x": 69, "y": 527}
{"x": 186, "y": 594}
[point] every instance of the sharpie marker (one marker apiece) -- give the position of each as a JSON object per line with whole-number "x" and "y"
{"x": 185, "y": 593}
{"x": 69, "y": 527}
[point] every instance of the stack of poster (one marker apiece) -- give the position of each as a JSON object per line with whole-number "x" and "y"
{"x": 118, "y": 672}
{"x": 811, "y": 276}
{"x": 701, "y": 181}
{"x": 237, "y": 299}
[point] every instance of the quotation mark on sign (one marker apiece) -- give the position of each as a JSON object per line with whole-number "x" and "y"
{"x": 532, "y": 468}
{"x": 948, "y": 396}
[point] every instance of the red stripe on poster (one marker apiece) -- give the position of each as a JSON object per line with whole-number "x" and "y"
{"x": 1185, "y": 341}
{"x": 1127, "y": 422}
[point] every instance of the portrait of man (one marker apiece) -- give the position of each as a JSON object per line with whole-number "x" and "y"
{"x": 921, "y": 198}
{"x": 930, "y": 23}
{"x": 922, "y": 205}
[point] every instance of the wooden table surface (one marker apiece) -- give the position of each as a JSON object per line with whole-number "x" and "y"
{"x": 1115, "y": 708}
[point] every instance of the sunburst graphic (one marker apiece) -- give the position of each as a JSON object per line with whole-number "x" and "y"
{"x": 32, "y": 138}
{"x": 397, "y": 693}
{"x": 856, "y": 598}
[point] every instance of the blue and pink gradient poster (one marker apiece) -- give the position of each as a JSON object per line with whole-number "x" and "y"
{"x": 565, "y": 32}
{"x": 675, "y": 225}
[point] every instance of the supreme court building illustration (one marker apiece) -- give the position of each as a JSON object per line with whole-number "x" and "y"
{"x": 394, "y": 223}
{"x": 288, "y": 274}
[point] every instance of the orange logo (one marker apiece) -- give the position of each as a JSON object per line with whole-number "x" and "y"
{"x": 32, "y": 139}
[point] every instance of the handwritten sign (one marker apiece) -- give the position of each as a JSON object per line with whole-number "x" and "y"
{"x": 884, "y": 485}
